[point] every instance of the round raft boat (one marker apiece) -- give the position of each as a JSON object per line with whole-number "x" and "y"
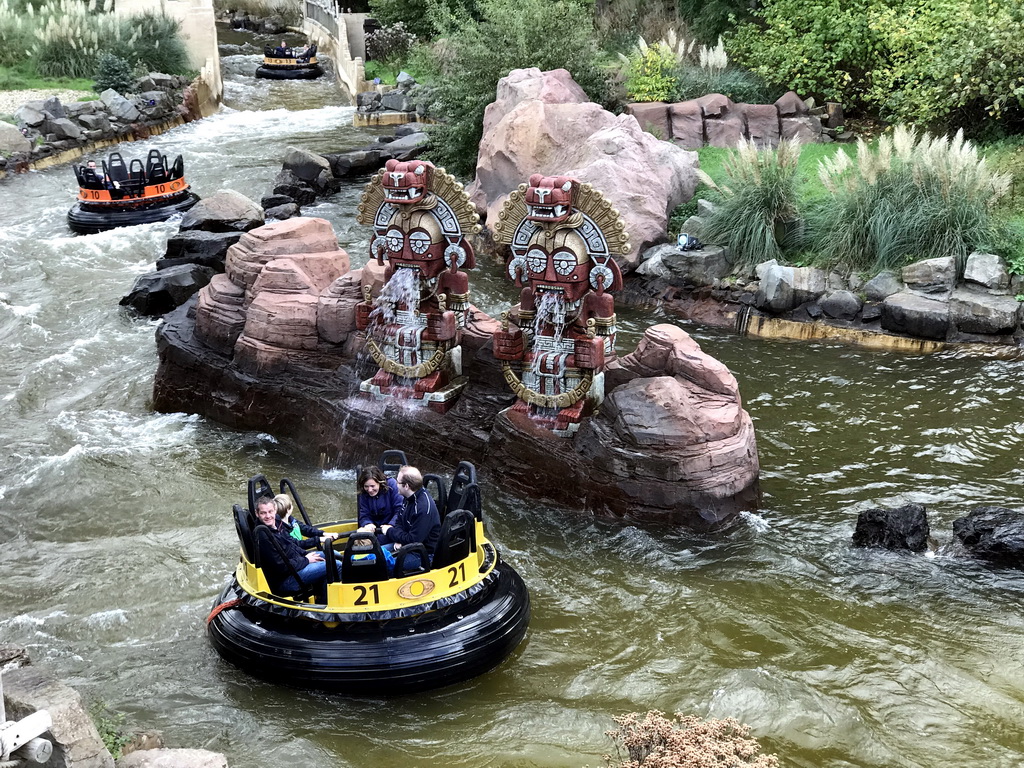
{"x": 289, "y": 64}
{"x": 370, "y": 634}
{"x": 121, "y": 195}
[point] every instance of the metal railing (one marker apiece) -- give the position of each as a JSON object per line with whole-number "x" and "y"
{"x": 323, "y": 13}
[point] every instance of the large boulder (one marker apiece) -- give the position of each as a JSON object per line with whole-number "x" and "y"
{"x": 157, "y": 293}
{"x": 977, "y": 311}
{"x": 931, "y": 277}
{"x": 12, "y": 140}
{"x": 198, "y": 246}
{"x": 993, "y": 533}
{"x": 224, "y": 211}
{"x": 119, "y": 106}
{"x": 987, "y": 270}
{"x": 915, "y": 315}
{"x": 903, "y": 528}
{"x": 543, "y": 123}
{"x": 784, "y": 288}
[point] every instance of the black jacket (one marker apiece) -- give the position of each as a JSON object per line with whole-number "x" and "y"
{"x": 418, "y": 521}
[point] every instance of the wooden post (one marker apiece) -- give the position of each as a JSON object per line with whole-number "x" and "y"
{"x": 834, "y": 115}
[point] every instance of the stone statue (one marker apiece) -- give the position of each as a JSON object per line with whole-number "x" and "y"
{"x": 421, "y": 220}
{"x": 562, "y": 235}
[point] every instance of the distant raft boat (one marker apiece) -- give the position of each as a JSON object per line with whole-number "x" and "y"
{"x": 289, "y": 64}
{"x": 371, "y": 634}
{"x": 117, "y": 194}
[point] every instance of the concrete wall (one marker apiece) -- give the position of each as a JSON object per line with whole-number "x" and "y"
{"x": 340, "y": 36}
{"x": 200, "y": 34}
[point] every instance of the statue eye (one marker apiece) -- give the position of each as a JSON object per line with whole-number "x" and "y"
{"x": 419, "y": 242}
{"x": 395, "y": 240}
{"x": 565, "y": 262}
{"x": 536, "y": 260}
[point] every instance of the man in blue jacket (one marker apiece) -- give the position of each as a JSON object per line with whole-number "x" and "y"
{"x": 418, "y": 521}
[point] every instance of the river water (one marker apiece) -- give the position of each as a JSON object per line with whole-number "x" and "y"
{"x": 116, "y": 532}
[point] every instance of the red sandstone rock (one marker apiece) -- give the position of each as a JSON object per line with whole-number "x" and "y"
{"x": 687, "y": 124}
{"x": 336, "y": 314}
{"x": 644, "y": 177}
{"x": 653, "y": 117}
{"x": 763, "y": 126}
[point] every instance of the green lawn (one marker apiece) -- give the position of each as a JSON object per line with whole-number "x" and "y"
{"x": 23, "y": 76}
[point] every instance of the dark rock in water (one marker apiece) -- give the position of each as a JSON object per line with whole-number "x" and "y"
{"x": 196, "y": 246}
{"x": 157, "y": 293}
{"x": 905, "y": 527}
{"x": 291, "y": 186}
{"x": 224, "y": 211}
{"x": 272, "y": 201}
{"x": 282, "y": 212}
{"x": 993, "y": 533}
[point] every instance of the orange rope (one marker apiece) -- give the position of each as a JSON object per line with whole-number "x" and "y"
{"x": 221, "y": 607}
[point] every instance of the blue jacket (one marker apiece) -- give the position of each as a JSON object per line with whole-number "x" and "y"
{"x": 418, "y": 521}
{"x": 382, "y": 509}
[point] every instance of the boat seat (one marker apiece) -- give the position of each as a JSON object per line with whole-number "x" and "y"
{"x": 435, "y": 486}
{"x": 457, "y": 540}
{"x": 391, "y": 461}
{"x": 464, "y": 492}
{"x": 177, "y": 168}
{"x": 258, "y": 486}
{"x": 243, "y": 526}
{"x": 358, "y": 569}
{"x": 156, "y": 167}
{"x": 402, "y": 555}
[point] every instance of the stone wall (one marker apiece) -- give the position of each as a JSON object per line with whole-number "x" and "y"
{"x": 339, "y": 35}
{"x": 717, "y": 121}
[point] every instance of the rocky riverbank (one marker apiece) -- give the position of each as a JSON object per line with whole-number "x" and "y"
{"x": 55, "y": 126}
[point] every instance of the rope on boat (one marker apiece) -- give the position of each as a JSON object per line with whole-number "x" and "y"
{"x": 223, "y": 606}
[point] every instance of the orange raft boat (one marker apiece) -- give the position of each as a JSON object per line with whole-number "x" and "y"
{"x": 121, "y": 195}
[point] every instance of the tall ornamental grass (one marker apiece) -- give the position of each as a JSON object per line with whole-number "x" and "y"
{"x": 911, "y": 197}
{"x": 756, "y": 210}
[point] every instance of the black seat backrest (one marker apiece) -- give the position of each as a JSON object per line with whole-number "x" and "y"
{"x": 115, "y": 168}
{"x": 311, "y": 51}
{"x": 404, "y": 553}
{"x": 80, "y": 175}
{"x": 258, "y": 487}
{"x": 363, "y": 559}
{"x": 156, "y": 167}
{"x": 287, "y": 486}
{"x": 457, "y": 540}
{"x": 303, "y": 592}
{"x": 465, "y": 476}
{"x": 243, "y": 526}
{"x": 435, "y": 486}
{"x": 177, "y": 168}
{"x": 391, "y": 461}
{"x": 136, "y": 176}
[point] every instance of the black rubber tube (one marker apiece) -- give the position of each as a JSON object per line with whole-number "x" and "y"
{"x": 377, "y": 658}
{"x": 88, "y": 221}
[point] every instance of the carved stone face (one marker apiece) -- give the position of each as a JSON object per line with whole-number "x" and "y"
{"x": 550, "y": 198}
{"x": 416, "y": 240}
{"x": 407, "y": 183}
{"x": 555, "y": 264}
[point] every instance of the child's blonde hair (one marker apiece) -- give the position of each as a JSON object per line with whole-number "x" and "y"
{"x": 284, "y": 504}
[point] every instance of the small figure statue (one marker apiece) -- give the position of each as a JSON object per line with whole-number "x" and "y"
{"x": 562, "y": 235}
{"x": 421, "y": 220}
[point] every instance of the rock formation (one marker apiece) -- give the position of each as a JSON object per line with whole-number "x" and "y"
{"x": 543, "y": 122}
{"x": 271, "y": 345}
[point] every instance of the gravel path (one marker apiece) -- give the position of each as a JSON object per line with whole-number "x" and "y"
{"x": 11, "y": 100}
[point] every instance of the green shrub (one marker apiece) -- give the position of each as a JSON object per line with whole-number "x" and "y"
{"x": 154, "y": 41}
{"x": 651, "y": 74}
{"x": 389, "y": 44}
{"x": 114, "y": 72}
{"x": 511, "y": 34}
{"x": 421, "y": 17}
{"x": 828, "y": 48}
{"x": 909, "y": 198}
{"x": 950, "y": 64}
{"x": 709, "y": 19}
{"x": 738, "y": 84}
{"x": 753, "y": 212}
{"x": 111, "y": 728}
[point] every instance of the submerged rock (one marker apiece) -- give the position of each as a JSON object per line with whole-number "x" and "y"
{"x": 993, "y": 533}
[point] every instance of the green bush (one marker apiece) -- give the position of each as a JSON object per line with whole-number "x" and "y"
{"x": 651, "y": 74}
{"x": 421, "y": 17}
{"x": 154, "y": 41}
{"x": 827, "y": 48}
{"x": 709, "y": 19}
{"x": 511, "y": 34}
{"x": 389, "y": 44}
{"x": 114, "y": 72}
{"x": 753, "y": 212}
{"x": 738, "y": 84}
{"x": 111, "y": 728}
{"x": 909, "y": 198}
{"x": 950, "y": 64}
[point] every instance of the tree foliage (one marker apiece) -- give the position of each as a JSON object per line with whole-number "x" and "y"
{"x": 939, "y": 64}
{"x": 510, "y": 34}
{"x": 419, "y": 15}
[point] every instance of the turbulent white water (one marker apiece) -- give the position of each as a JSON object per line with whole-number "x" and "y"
{"x": 116, "y": 533}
